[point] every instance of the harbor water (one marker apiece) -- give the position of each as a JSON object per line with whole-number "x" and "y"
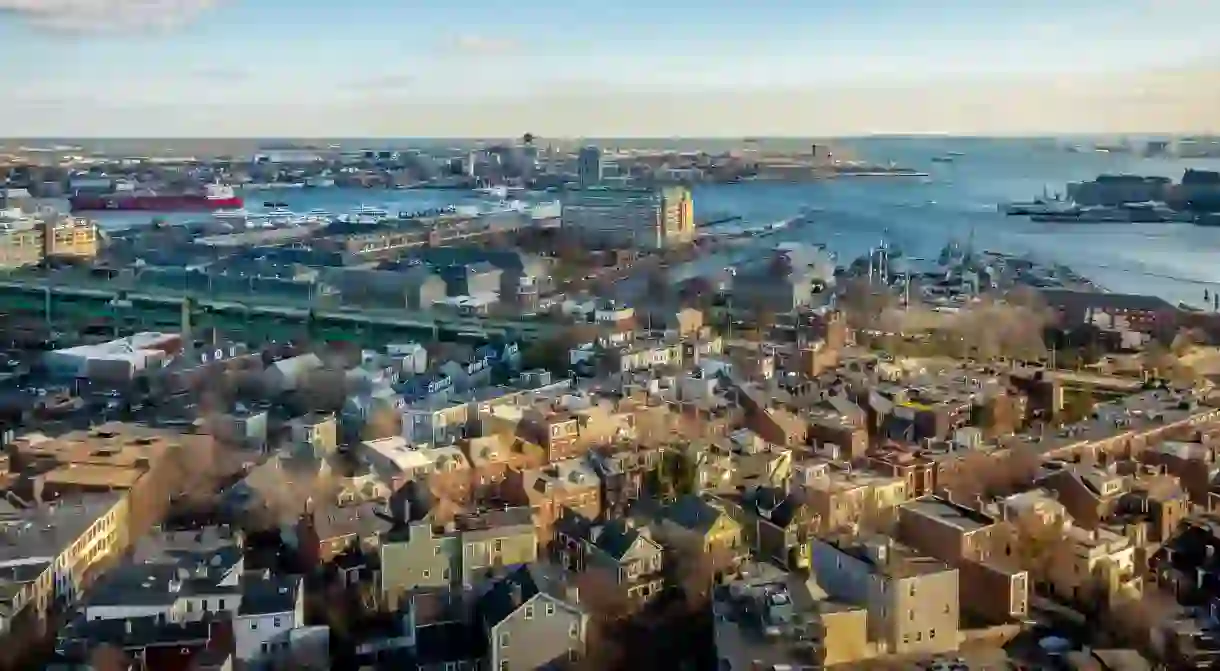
{"x": 956, "y": 202}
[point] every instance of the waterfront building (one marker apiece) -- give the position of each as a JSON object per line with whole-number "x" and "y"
{"x": 589, "y": 167}
{"x": 70, "y": 237}
{"x": 26, "y": 239}
{"x": 21, "y": 239}
{"x": 644, "y": 218}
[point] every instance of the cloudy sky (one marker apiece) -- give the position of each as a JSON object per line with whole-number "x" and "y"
{"x": 413, "y": 68}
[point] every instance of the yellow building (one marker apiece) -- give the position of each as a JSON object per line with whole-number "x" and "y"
{"x": 21, "y": 241}
{"x": 70, "y": 237}
{"x": 50, "y": 549}
{"x": 677, "y": 216}
{"x": 26, "y": 240}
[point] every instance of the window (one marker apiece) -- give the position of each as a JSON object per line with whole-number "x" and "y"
{"x": 253, "y": 625}
{"x": 911, "y": 614}
{"x": 529, "y": 612}
{"x": 220, "y": 604}
{"x": 275, "y": 621}
{"x": 499, "y": 544}
{"x": 427, "y": 574}
{"x": 550, "y": 609}
{"x": 574, "y": 630}
{"x": 436, "y": 551}
{"x": 931, "y": 633}
{"x": 504, "y": 640}
{"x": 504, "y": 665}
{"x": 445, "y": 574}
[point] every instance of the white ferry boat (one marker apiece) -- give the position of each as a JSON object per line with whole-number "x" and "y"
{"x": 239, "y": 214}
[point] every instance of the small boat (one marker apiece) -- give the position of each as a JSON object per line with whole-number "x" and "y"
{"x": 943, "y": 159}
{"x": 227, "y": 214}
{"x": 274, "y": 203}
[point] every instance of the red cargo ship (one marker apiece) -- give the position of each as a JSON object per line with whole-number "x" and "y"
{"x": 214, "y": 197}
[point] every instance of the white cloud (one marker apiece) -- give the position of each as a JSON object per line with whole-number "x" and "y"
{"x": 106, "y": 15}
{"x": 481, "y": 45}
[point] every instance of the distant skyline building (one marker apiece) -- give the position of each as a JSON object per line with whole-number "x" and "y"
{"x": 643, "y": 218}
{"x": 589, "y": 166}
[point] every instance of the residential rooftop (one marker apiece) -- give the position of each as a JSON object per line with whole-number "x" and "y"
{"x": 955, "y": 515}
{"x": 46, "y": 530}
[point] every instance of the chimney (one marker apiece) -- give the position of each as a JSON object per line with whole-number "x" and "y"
{"x": 515, "y": 592}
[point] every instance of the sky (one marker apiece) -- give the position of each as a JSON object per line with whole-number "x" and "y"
{"x": 599, "y": 68}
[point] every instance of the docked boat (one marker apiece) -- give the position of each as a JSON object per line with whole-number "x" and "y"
{"x": 943, "y": 159}
{"x": 319, "y": 183}
{"x": 367, "y": 211}
{"x": 1045, "y": 205}
{"x": 1135, "y": 213}
{"x": 365, "y": 215}
{"x": 211, "y": 198}
{"x": 239, "y": 214}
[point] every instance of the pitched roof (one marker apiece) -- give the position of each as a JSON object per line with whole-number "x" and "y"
{"x": 507, "y": 595}
{"x": 694, "y": 513}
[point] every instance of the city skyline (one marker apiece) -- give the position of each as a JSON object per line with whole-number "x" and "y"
{"x": 240, "y": 68}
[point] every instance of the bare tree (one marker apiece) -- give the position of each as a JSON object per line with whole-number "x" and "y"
{"x": 1037, "y": 546}
{"x": 1001, "y": 329}
{"x": 1132, "y": 620}
{"x": 107, "y": 657}
{"x": 383, "y": 422}
{"x": 601, "y": 596}
{"x": 864, "y": 303}
{"x": 697, "y": 573}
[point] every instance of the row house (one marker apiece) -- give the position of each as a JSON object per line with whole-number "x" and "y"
{"x": 493, "y": 457}
{"x": 426, "y": 556}
{"x": 570, "y": 484}
{"x": 1090, "y": 495}
{"x": 1076, "y": 564}
{"x": 969, "y": 540}
{"x": 917, "y": 470}
{"x": 835, "y": 435}
{"x": 328, "y": 530}
{"x": 1128, "y": 427}
{"x": 1159, "y": 503}
{"x": 697, "y": 525}
{"x": 845, "y": 498}
{"x": 569, "y": 427}
{"x": 912, "y": 600}
{"x": 1193, "y": 463}
{"x": 626, "y": 474}
{"x": 778, "y": 525}
{"x": 619, "y": 552}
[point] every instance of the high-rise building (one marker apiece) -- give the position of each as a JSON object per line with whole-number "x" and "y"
{"x": 643, "y": 218}
{"x": 589, "y": 166}
{"x": 677, "y": 220}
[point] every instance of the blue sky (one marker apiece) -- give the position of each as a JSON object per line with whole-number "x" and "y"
{"x": 316, "y": 59}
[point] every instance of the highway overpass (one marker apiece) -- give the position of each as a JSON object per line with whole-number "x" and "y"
{"x": 72, "y": 306}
